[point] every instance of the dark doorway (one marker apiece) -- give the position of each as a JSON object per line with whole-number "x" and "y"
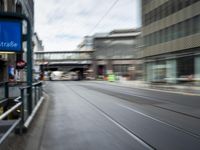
{"x": 185, "y": 66}
{"x": 101, "y": 70}
{"x": 2, "y": 70}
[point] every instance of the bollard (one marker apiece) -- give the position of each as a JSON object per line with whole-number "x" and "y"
{"x": 22, "y": 107}
{"x": 6, "y": 90}
{"x": 29, "y": 97}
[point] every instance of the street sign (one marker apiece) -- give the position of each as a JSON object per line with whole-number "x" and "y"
{"x": 10, "y": 35}
{"x": 11, "y": 40}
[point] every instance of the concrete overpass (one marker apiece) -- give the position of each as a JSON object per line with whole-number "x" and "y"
{"x": 80, "y": 61}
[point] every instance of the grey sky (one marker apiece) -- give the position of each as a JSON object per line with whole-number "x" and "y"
{"x": 62, "y": 24}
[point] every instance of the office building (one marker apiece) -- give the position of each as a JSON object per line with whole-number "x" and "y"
{"x": 171, "y": 40}
{"x": 117, "y": 52}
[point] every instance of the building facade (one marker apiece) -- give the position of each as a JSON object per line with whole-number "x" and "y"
{"x": 86, "y": 44}
{"x": 116, "y": 52}
{"x": 25, "y": 7}
{"x": 8, "y": 59}
{"x": 38, "y": 47}
{"x": 171, "y": 40}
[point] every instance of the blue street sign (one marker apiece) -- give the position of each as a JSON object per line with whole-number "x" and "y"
{"x": 10, "y": 36}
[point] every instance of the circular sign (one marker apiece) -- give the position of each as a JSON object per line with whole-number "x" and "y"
{"x": 21, "y": 64}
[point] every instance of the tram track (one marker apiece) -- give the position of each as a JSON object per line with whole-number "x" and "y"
{"x": 123, "y": 96}
{"x": 115, "y": 122}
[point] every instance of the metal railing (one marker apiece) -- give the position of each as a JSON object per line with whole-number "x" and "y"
{"x": 29, "y": 103}
{"x": 25, "y": 105}
{"x": 14, "y": 88}
{"x": 4, "y": 91}
{"x": 11, "y": 125}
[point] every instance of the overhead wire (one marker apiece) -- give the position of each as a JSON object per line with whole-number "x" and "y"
{"x": 101, "y": 19}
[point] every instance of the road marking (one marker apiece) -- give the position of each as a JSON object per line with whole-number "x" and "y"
{"x": 159, "y": 90}
{"x": 148, "y": 98}
{"x": 177, "y": 128}
{"x": 130, "y": 133}
{"x": 146, "y": 88}
{"x": 127, "y": 131}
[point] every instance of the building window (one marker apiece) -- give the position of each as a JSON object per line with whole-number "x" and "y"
{"x": 18, "y": 8}
{"x": 166, "y": 9}
{"x": 11, "y": 6}
{"x": 188, "y": 27}
{"x": 162, "y": 38}
{"x": 185, "y": 66}
{"x": 196, "y": 24}
{"x": 1, "y": 5}
{"x": 174, "y": 32}
{"x": 121, "y": 70}
{"x": 182, "y": 29}
{"x": 170, "y": 8}
{"x": 168, "y": 34}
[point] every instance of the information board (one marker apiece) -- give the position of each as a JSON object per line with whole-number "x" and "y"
{"x": 10, "y": 36}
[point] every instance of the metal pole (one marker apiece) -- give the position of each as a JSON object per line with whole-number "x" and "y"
{"x": 29, "y": 65}
{"x": 6, "y": 90}
{"x": 41, "y": 90}
{"x": 36, "y": 95}
{"x": 22, "y": 110}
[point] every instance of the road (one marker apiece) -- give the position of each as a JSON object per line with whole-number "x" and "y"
{"x": 99, "y": 116}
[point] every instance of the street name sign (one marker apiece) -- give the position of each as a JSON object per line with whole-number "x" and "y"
{"x": 10, "y": 35}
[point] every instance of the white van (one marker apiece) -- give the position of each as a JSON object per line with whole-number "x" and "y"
{"x": 56, "y": 75}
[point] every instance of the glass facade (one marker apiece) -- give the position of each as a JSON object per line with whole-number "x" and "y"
{"x": 185, "y": 66}
{"x": 62, "y": 56}
{"x": 188, "y": 27}
{"x": 163, "y": 40}
{"x": 171, "y": 71}
{"x": 115, "y": 48}
{"x": 159, "y": 71}
{"x": 197, "y": 68}
{"x": 166, "y": 9}
{"x": 121, "y": 70}
{"x": 178, "y": 70}
{"x": 149, "y": 71}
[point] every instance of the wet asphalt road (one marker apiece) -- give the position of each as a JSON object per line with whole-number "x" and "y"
{"x": 96, "y": 116}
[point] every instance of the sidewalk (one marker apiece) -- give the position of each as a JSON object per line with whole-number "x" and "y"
{"x": 176, "y": 88}
{"x": 32, "y": 139}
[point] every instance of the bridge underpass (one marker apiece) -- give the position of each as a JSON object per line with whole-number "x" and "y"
{"x": 81, "y": 69}
{"x": 66, "y": 61}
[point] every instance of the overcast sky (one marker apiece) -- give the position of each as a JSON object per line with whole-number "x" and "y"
{"x": 62, "y": 24}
